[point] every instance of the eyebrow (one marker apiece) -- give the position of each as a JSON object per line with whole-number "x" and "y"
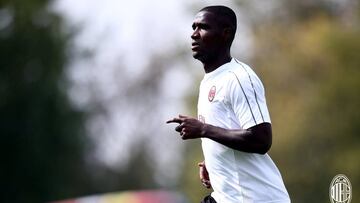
{"x": 202, "y": 25}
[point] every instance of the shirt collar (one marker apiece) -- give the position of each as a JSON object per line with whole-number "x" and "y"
{"x": 217, "y": 71}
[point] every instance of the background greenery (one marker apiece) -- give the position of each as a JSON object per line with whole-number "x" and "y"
{"x": 307, "y": 54}
{"x": 42, "y": 140}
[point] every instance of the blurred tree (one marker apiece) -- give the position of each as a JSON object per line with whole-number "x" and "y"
{"x": 42, "y": 137}
{"x": 309, "y": 63}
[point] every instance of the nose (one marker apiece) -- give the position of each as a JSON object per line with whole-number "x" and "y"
{"x": 195, "y": 34}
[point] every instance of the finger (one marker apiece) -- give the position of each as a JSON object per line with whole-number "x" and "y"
{"x": 206, "y": 183}
{"x": 202, "y": 173}
{"x": 183, "y": 116}
{"x": 175, "y": 120}
{"x": 179, "y": 128}
{"x": 182, "y": 134}
{"x": 208, "y": 186}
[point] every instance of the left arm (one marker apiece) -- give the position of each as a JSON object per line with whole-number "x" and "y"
{"x": 256, "y": 139}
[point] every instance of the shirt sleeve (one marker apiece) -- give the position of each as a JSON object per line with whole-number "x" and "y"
{"x": 246, "y": 95}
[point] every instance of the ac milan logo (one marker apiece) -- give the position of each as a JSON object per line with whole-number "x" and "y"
{"x": 340, "y": 189}
{"x": 212, "y": 93}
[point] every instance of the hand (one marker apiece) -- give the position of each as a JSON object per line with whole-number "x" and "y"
{"x": 204, "y": 175}
{"x": 189, "y": 128}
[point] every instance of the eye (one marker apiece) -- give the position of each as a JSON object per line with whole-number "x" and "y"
{"x": 204, "y": 26}
{"x": 201, "y": 26}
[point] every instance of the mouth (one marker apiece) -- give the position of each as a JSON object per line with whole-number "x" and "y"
{"x": 194, "y": 45}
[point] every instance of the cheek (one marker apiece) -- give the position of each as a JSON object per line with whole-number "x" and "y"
{"x": 211, "y": 41}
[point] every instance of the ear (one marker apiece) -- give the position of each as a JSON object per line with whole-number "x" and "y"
{"x": 227, "y": 32}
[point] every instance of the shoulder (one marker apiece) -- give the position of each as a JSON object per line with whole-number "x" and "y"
{"x": 238, "y": 72}
{"x": 242, "y": 77}
{"x": 241, "y": 69}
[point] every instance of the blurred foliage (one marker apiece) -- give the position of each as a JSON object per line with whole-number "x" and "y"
{"x": 45, "y": 151}
{"x": 306, "y": 52}
{"x": 42, "y": 140}
{"x": 308, "y": 56}
{"x": 311, "y": 69}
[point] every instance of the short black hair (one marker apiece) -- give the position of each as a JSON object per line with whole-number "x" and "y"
{"x": 225, "y": 15}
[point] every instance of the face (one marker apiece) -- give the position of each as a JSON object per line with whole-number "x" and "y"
{"x": 207, "y": 39}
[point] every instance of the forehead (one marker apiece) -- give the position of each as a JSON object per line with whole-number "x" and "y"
{"x": 205, "y": 17}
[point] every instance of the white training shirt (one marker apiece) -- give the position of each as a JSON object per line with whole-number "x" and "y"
{"x": 233, "y": 97}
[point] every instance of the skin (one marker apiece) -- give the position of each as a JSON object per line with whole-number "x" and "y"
{"x": 211, "y": 45}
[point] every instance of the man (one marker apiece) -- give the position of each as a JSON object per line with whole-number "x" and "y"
{"x": 233, "y": 120}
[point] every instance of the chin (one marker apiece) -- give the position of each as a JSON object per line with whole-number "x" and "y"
{"x": 196, "y": 55}
{"x": 199, "y": 57}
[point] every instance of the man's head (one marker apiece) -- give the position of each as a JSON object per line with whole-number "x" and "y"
{"x": 214, "y": 30}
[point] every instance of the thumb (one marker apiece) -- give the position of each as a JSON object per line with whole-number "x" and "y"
{"x": 183, "y": 116}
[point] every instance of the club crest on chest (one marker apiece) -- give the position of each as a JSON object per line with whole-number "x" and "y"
{"x": 212, "y": 93}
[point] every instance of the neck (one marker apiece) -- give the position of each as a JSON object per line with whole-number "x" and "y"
{"x": 210, "y": 66}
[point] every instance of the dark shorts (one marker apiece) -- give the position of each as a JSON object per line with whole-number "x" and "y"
{"x": 208, "y": 199}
